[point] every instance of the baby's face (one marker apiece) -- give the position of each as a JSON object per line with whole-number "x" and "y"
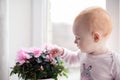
{"x": 83, "y": 38}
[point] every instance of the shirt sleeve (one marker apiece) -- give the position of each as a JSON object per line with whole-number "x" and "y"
{"x": 72, "y": 58}
{"x": 117, "y": 66}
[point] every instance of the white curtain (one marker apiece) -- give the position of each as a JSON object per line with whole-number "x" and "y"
{"x": 3, "y": 41}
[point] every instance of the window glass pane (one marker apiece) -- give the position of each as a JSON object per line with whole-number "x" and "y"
{"x": 62, "y": 16}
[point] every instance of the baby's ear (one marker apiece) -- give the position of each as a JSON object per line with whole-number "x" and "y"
{"x": 96, "y": 36}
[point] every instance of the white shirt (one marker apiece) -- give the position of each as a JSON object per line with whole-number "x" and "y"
{"x": 95, "y": 67}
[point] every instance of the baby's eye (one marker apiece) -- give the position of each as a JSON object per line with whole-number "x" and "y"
{"x": 77, "y": 38}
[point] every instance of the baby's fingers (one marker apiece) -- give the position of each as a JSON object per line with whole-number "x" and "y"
{"x": 53, "y": 52}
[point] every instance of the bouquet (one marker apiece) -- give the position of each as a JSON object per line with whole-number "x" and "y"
{"x": 38, "y": 63}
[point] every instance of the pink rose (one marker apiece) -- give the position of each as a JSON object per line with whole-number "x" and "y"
{"x": 22, "y": 55}
{"x": 37, "y": 52}
{"x": 49, "y": 57}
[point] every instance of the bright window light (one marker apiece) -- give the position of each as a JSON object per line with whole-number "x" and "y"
{"x": 66, "y": 10}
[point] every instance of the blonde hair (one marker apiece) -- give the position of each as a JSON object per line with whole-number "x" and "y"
{"x": 97, "y": 19}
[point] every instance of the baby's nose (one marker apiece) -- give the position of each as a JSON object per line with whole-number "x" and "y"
{"x": 75, "y": 41}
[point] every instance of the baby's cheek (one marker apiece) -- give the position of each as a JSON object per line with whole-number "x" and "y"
{"x": 84, "y": 78}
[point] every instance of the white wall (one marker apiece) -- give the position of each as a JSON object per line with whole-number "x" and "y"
{"x": 113, "y": 7}
{"x": 19, "y": 28}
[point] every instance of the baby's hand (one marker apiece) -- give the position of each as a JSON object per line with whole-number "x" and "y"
{"x": 57, "y": 51}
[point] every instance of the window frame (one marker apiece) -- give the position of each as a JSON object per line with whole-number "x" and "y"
{"x": 41, "y": 25}
{"x": 40, "y": 22}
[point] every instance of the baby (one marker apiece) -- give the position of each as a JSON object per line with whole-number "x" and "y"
{"x": 91, "y": 29}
